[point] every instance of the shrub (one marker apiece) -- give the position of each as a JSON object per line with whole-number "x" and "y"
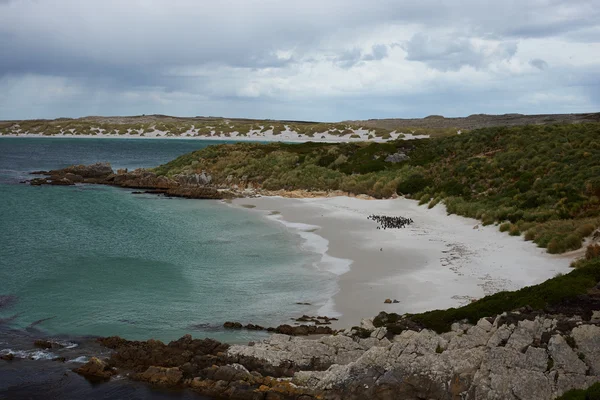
{"x": 592, "y": 251}
{"x": 585, "y": 230}
{"x": 505, "y": 227}
{"x": 514, "y": 231}
{"x": 562, "y": 244}
{"x": 413, "y": 184}
{"x": 424, "y": 199}
{"x": 433, "y": 203}
{"x": 530, "y": 234}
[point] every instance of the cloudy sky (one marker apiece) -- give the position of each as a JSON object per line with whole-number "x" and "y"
{"x": 311, "y": 59}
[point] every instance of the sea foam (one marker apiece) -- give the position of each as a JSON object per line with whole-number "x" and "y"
{"x": 316, "y": 244}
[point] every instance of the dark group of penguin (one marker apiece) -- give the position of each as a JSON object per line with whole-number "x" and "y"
{"x": 386, "y": 222}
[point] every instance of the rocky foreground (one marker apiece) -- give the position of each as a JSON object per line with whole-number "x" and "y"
{"x": 518, "y": 355}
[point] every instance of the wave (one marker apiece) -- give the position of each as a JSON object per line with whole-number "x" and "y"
{"x": 316, "y": 244}
{"x": 31, "y": 354}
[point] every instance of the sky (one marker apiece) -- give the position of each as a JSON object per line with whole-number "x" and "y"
{"x": 320, "y": 60}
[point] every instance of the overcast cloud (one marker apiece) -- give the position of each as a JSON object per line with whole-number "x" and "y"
{"x": 312, "y": 59}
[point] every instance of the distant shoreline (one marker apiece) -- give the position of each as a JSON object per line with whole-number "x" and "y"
{"x": 236, "y": 138}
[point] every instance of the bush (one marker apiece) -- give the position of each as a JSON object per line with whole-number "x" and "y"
{"x": 433, "y": 203}
{"x": 413, "y": 184}
{"x": 592, "y": 251}
{"x": 562, "y": 244}
{"x": 514, "y": 231}
{"x": 505, "y": 227}
{"x": 530, "y": 234}
{"x": 585, "y": 230}
{"x": 424, "y": 199}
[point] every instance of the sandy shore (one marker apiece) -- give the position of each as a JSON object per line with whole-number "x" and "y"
{"x": 440, "y": 261}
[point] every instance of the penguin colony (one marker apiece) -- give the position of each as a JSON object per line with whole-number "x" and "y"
{"x": 386, "y": 222}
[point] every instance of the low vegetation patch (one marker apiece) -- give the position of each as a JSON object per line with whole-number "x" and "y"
{"x": 551, "y": 292}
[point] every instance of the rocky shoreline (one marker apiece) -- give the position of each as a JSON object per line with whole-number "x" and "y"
{"x": 523, "y": 354}
{"x": 196, "y": 186}
{"x": 517, "y": 355}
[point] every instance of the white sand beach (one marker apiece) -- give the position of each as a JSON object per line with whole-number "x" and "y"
{"x": 439, "y": 261}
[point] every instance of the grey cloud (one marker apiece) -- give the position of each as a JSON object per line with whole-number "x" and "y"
{"x": 355, "y": 56}
{"x": 539, "y": 64}
{"x": 349, "y": 58}
{"x": 445, "y": 53}
{"x": 378, "y": 52}
{"x": 115, "y": 46}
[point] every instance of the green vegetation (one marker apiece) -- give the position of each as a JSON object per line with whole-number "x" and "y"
{"x": 543, "y": 181}
{"x": 553, "y": 291}
{"x": 591, "y": 393}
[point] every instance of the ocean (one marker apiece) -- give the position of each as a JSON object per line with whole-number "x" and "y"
{"x": 91, "y": 260}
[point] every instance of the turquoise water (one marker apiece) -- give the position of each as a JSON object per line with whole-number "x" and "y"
{"x": 97, "y": 260}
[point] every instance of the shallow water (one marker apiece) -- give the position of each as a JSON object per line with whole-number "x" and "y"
{"x": 97, "y": 260}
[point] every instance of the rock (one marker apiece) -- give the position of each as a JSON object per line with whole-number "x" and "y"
{"x": 500, "y": 336}
{"x": 520, "y": 339}
{"x": 397, "y": 157}
{"x": 38, "y": 181}
{"x": 379, "y": 333}
{"x": 232, "y": 325}
{"x": 43, "y": 344}
{"x": 564, "y": 357}
{"x": 98, "y": 170}
{"x": 46, "y": 344}
{"x": 395, "y": 301}
{"x": 96, "y": 368}
{"x": 73, "y": 178}
{"x": 587, "y": 338}
{"x": 7, "y": 357}
{"x": 58, "y": 181}
{"x": 367, "y": 324}
{"x": 388, "y": 301}
{"x": 161, "y": 376}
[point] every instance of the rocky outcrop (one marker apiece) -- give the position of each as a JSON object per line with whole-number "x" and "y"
{"x": 397, "y": 157}
{"x": 188, "y": 354}
{"x": 530, "y": 359}
{"x": 161, "y": 376}
{"x": 298, "y": 330}
{"x": 46, "y": 344}
{"x": 194, "y": 186}
{"x": 518, "y": 355}
{"x": 96, "y": 369}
